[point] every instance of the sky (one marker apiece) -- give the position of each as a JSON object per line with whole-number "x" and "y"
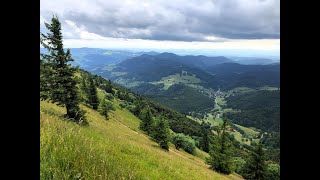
{"x": 247, "y": 26}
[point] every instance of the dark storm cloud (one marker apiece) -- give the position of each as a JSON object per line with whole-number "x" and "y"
{"x": 189, "y": 20}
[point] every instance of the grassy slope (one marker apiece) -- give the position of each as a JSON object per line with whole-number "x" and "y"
{"x": 250, "y": 132}
{"x": 112, "y": 149}
{"x": 176, "y": 79}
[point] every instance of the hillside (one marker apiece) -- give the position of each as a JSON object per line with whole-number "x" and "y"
{"x": 153, "y": 75}
{"x": 184, "y": 99}
{"x": 149, "y": 68}
{"x": 232, "y": 75}
{"x": 112, "y": 149}
{"x": 260, "y": 109}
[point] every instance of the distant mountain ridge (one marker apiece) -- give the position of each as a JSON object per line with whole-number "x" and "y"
{"x": 154, "y": 67}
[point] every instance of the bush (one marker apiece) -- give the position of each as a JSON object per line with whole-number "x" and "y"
{"x": 189, "y": 146}
{"x": 122, "y": 105}
{"x": 273, "y": 171}
{"x": 185, "y": 142}
{"x": 178, "y": 140}
{"x": 239, "y": 164}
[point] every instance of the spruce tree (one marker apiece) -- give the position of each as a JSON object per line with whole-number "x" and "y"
{"x": 162, "y": 133}
{"x": 108, "y": 87}
{"x": 118, "y": 94}
{"x": 255, "y": 167}
{"x": 221, "y": 153}
{"x": 60, "y": 83}
{"x": 147, "y": 122}
{"x": 205, "y": 140}
{"x": 45, "y": 71}
{"x": 92, "y": 96}
{"x": 104, "y": 107}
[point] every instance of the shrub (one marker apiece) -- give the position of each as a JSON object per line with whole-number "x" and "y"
{"x": 185, "y": 142}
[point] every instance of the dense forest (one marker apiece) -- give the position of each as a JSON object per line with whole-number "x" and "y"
{"x": 184, "y": 99}
{"x": 231, "y": 75}
{"x": 260, "y": 109}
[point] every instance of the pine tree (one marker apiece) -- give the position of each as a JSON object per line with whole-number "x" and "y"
{"x": 147, "y": 122}
{"x": 108, "y": 87}
{"x": 138, "y": 106}
{"x": 162, "y": 133}
{"x": 59, "y": 75}
{"x": 205, "y": 141}
{"x": 45, "y": 70}
{"x": 92, "y": 96}
{"x": 221, "y": 153}
{"x": 118, "y": 94}
{"x": 255, "y": 167}
{"x": 84, "y": 88}
{"x": 104, "y": 107}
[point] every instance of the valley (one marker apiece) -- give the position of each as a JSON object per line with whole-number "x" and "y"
{"x": 197, "y": 86}
{"x": 244, "y": 135}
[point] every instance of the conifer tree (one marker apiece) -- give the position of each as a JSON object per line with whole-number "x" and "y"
{"x": 59, "y": 75}
{"x": 162, "y": 133}
{"x": 205, "y": 141}
{"x": 118, "y": 94}
{"x": 221, "y": 153}
{"x": 147, "y": 122}
{"x": 45, "y": 70}
{"x": 255, "y": 167}
{"x": 92, "y": 96}
{"x": 104, "y": 107}
{"x": 108, "y": 87}
{"x": 84, "y": 88}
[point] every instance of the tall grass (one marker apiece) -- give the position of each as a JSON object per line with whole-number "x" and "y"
{"x": 109, "y": 150}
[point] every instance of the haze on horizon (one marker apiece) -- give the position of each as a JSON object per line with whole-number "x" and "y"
{"x": 234, "y": 27}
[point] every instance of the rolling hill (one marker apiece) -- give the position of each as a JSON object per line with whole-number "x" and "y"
{"x": 232, "y": 75}
{"x": 213, "y": 72}
{"x": 183, "y": 99}
{"x": 154, "y": 75}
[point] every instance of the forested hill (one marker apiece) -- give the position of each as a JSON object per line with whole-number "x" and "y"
{"x": 148, "y": 68}
{"x": 231, "y": 75}
{"x": 259, "y": 109}
{"x": 135, "y": 103}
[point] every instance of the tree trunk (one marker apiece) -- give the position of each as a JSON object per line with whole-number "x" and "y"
{"x": 70, "y": 113}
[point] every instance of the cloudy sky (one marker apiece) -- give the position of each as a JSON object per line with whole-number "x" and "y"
{"x": 180, "y": 24}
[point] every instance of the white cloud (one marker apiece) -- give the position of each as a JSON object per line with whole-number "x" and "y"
{"x": 184, "y": 24}
{"x": 183, "y": 20}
